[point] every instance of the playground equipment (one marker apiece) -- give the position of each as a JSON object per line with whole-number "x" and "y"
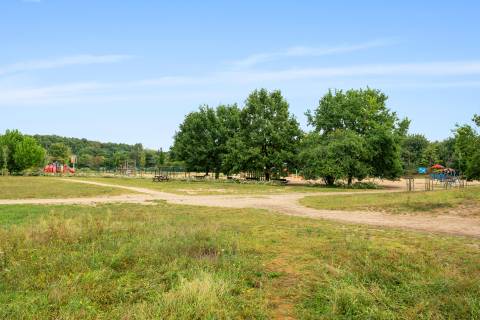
{"x": 57, "y": 167}
{"x": 437, "y": 175}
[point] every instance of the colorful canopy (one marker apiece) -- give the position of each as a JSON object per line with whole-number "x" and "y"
{"x": 438, "y": 166}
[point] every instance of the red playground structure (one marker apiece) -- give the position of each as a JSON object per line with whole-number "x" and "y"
{"x": 58, "y": 168}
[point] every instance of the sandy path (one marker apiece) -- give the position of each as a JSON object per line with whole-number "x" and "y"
{"x": 281, "y": 203}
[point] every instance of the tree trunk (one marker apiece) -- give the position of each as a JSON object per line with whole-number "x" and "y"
{"x": 267, "y": 176}
{"x": 350, "y": 181}
{"x": 217, "y": 174}
{"x": 329, "y": 180}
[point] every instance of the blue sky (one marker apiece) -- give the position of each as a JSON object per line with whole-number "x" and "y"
{"x": 128, "y": 71}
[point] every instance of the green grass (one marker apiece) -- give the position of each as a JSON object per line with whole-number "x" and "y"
{"x": 182, "y": 262}
{"x": 49, "y": 187}
{"x": 463, "y": 201}
{"x": 212, "y": 187}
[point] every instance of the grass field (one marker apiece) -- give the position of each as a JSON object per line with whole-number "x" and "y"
{"x": 182, "y": 262}
{"x": 48, "y": 187}
{"x": 463, "y": 201}
{"x": 212, "y": 187}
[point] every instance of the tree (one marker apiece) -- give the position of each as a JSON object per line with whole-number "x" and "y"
{"x": 268, "y": 136}
{"x": 430, "y": 155}
{"x": 321, "y": 153}
{"x": 467, "y": 150}
{"x": 28, "y": 154}
{"x": 160, "y": 158}
{"x": 364, "y": 113}
{"x": 202, "y": 137}
{"x": 413, "y": 147}
{"x": 19, "y": 152}
{"x": 59, "y": 152}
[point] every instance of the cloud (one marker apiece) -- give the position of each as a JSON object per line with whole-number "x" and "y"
{"x": 428, "y": 74}
{"x": 301, "y": 51}
{"x": 83, "y": 59}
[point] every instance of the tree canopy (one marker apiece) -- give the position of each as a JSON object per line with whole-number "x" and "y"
{"x": 202, "y": 138}
{"x": 19, "y": 152}
{"x": 268, "y": 136}
{"x": 363, "y": 117}
{"x": 467, "y": 150}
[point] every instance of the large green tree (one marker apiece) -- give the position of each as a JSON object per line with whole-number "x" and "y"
{"x": 19, "y": 153}
{"x": 467, "y": 150}
{"x": 202, "y": 138}
{"x": 320, "y": 156}
{"x": 364, "y": 114}
{"x": 268, "y": 137}
{"x": 28, "y": 154}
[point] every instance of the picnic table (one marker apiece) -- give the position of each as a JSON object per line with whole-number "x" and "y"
{"x": 160, "y": 178}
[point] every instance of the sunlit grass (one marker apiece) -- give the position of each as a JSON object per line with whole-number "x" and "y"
{"x": 49, "y": 187}
{"x": 404, "y": 202}
{"x": 164, "y": 261}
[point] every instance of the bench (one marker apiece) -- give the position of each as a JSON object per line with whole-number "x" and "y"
{"x": 159, "y": 178}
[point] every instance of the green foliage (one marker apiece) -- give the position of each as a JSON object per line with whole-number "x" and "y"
{"x": 321, "y": 153}
{"x": 268, "y": 137}
{"x": 430, "y": 155}
{"x": 60, "y": 152}
{"x": 19, "y": 152}
{"x": 28, "y": 153}
{"x": 467, "y": 150}
{"x": 202, "y": 137}
{"x": 370, "y": 126}
{"x": 95, "y": 155}
{"x": 476, "y": 119}
{"x": 413, "y": 147}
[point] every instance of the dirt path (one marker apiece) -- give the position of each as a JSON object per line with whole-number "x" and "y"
{"x": 281, "y": 203}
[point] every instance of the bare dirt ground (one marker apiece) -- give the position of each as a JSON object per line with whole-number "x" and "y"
{"x": 285, "y": 204}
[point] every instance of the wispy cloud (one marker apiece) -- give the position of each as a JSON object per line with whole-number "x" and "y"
{"x": 83, "y": 59}
{"x": 446, "y": 74}
{"x": 301, "y": 51}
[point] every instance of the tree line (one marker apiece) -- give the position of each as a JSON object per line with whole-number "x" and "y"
{"x": 354, "y": 135}
{"x": 21, "y": 153}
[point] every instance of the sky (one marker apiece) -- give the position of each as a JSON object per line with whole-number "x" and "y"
{"x": 128, "y": 71}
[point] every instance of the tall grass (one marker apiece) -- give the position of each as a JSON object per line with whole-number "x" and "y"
{"x": 181, "y": 262}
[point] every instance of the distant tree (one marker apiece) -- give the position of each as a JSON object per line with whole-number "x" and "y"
{"x": 364, "y": 113}
{"x": 19, "y": 152}
{"x": 430, "y": 155}
{"x": 413, "y": 146}
{"x": 341, "y": 154}
{"x": 160, "y": 157}
{"x": 59, "y": 151}
{"x": 203, "y": 135}
{"x": 268, "y": 136}
{"x": 467, "y": 150}
{"x": 446, "y": 153}
{"x": 28, "y": 154}
{"x": 8, "y": 142}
